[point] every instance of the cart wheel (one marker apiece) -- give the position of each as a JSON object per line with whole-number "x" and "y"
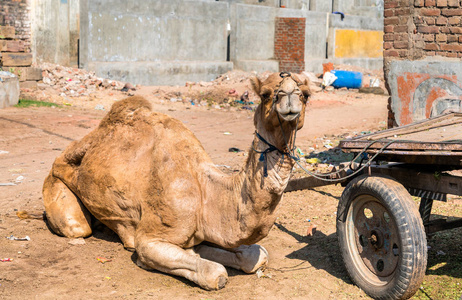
{"x": 382, "y": 238}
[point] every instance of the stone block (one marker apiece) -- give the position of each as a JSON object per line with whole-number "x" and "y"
{"x": 9, "y": 91}
{"x": 7, "y": 32}
{"x": 14, "y": 59}
{"x": 32, "y": 85}
{"x": 12, "y": 46}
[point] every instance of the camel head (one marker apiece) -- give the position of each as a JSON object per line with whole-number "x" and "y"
{"x": 283, "y": 100}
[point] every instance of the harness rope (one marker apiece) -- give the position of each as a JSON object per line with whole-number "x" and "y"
{"x": 296, "y": 158}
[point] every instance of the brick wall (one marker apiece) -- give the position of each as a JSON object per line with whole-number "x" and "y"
{"x": 16, "y": 13}
{"x": 289, "y": 44}
{"x": 415, "y": 29}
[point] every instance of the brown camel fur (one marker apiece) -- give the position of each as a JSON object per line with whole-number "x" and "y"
{"x": 146, "y": 176}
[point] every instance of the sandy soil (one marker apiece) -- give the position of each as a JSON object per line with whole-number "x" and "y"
{"x": 51, "y": 267}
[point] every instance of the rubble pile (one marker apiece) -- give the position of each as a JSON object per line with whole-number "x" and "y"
{"x": 73, "y": 82}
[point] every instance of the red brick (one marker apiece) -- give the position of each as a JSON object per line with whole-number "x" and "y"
{"x": 441, "y": 38}
{"x": 400, "y": 28}
{"x": 430, "y": 21}
{"x": 454, "y": 20}
{"x": 445, "y": 29}
{"x": 453, "y": 3}
{"x": 452, "y": 38}
{"x": 402, "y": 11}
{"x": 419, "y": 3}
{"x": 430, "y": 12}
{"x": 441, "y": 3}
{"x": 388, "y": 13}
{"x": 428, "y": 37}
{"x": 387, "y": 45}
{"x": 460, "y": 39}
{"x": 455, "y": 29}
{"x": 431, "y": 46}
{"x": 451, "y": 12}
{"x": 428, "y": 29}
{"x": 388, "y": 37}
{"x": 459, "y": 54}
{"x": 388, "y": 28}
{"x": 430, "y": 53}
{"x": 451, "y": 47}
{"x": 430, "y": 2}
{"x": 401, "y": 44}
{"x": 390, "y": 4}
{"x": 403, "y": 53}
{"x": 388, "y": 53}
{"x": 391, "y": 21}
{"x": 441, "y": 20}
{"x": 451, "y": 54}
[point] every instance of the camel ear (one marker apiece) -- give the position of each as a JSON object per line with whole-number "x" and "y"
{"x": 305, "y": 88}
{"x": 256, "y": 84}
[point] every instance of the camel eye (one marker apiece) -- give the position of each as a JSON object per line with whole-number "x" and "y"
{"x": 266, "y": 94}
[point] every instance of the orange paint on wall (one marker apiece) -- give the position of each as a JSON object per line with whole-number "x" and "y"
{"x": 407, "y": 84}
{"x": 358, "y": 43}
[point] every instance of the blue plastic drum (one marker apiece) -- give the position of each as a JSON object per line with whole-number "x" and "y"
{"x": 348, "y": 79}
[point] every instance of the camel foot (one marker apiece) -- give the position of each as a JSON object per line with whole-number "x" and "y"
{"x": 211, "y": 275}
{"x": 252, "y": 257}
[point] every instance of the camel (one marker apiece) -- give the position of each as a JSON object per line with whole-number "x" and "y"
{"x": 147, "y": 177}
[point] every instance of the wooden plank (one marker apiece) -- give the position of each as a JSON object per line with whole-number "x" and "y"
{"x": 422, "y": 180}
{"x": 7, "y": 32}
{"x": 13, "y": 59}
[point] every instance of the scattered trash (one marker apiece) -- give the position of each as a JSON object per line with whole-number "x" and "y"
{"x": 75, "y": 242}
{"x": 99, "y": 107}
{"x": 235, "y": 150}
{"x": 440, "y": 253}
{"x": 128, "y": 86}
{"x": 260, "y": 274}
{"x": 328, "y": 79}
{"x": 103, "y": 260}
{"x": 3, "y": 152}
{"x": 107, "y": 277}
{"x": 22, "y": 214}
{"x": 13, "y": 238}
{"x": 311, "y": 230}
{"x": 375, "y": 82}
{"x": 6, "y": 259}
{"x": 6, "y": 183}
{"x": 224, "y": 166}
{"x": 227, "y": 133}
{"x": 372, "y": 90}
{"x": 348, "y": 79}
{"x": 313, "y": 160}
{"x": 19, "y": 178}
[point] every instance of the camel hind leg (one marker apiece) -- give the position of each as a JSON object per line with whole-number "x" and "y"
{"x": 66, "y": 215}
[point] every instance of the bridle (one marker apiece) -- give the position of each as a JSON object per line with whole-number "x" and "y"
{"x": 290, "y": 150}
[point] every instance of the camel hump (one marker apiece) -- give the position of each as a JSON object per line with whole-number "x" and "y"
{"x": 127, "y": 111}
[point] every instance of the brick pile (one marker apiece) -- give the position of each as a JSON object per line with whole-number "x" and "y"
{"x": 16, "y": 58}
{"x": 289, "y": 44}
{"x": 416, "y": 29}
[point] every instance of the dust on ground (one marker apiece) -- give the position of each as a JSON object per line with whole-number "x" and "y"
{"x": 220, "y": 113}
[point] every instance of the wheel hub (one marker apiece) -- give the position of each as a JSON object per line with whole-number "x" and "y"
{"x": 376, "y": 238}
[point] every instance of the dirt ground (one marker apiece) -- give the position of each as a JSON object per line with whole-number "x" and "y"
{"x": 52, "y": 267}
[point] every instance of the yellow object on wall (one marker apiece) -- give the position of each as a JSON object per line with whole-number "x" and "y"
{"x": 358, "y": 43}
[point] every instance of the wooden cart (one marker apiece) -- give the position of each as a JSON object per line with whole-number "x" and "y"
{"x": 381, "y": 230}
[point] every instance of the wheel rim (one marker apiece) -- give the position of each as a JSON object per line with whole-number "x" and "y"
{"x": 372, "y": 239}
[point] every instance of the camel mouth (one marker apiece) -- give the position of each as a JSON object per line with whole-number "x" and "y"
{"x": 289, "y": 116}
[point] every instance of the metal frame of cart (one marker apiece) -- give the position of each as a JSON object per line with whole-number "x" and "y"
{"x": 381, "y": 231}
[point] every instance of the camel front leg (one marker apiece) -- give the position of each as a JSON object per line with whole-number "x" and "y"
{"x": 169, "y": 258}
{"x": 246, "y": 258}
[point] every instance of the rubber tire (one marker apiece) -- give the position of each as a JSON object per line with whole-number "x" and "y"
{"x": 409, "y": 273}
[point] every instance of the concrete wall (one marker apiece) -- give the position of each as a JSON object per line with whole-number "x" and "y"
{"x": 169, "y": 42}
{"x": 252, "y": 37}
{"x": 55, "y": 31}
